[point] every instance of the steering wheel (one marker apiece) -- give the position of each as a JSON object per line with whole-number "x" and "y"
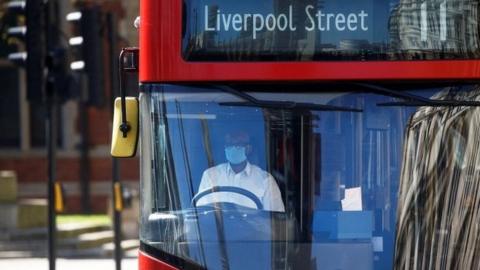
{"x": 236, "y": 190}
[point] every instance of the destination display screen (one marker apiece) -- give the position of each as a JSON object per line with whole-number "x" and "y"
{"x": 336, "y": 30}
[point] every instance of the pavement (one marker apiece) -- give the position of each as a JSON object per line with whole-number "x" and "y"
{"x": 74, "y": 241}
{"x": 67, "y": 264}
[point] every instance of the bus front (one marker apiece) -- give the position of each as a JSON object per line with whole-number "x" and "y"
{"x": 309, "y": 134}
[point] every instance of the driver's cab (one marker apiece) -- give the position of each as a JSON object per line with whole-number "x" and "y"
{"x": 218, "y": 167}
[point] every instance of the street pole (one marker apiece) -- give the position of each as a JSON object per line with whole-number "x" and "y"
{"x": 51, "y": 122}
{"x": 51, "y": 129}
{"x": 84, "y": 145}
{"x": 117, "y": 217}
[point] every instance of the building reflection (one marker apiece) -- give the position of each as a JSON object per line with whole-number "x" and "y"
{"x": 434, "y": 30}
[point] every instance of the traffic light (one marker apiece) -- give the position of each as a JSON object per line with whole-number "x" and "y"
{"x": 87, "y": 54}
{"x": 32, "y": 34}
{"x": 16, "y": 10}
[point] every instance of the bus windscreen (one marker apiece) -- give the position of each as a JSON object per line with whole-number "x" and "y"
{"x": 329, "y": 30}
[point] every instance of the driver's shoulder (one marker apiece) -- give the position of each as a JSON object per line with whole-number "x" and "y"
{"x": 216, "y": 169}
{"x": 264, "y": 175}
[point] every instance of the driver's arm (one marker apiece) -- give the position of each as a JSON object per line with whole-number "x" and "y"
{"x": 272, "y": 198}
{"x": 205, "y": 184}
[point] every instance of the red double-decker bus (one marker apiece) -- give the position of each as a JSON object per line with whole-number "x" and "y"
{"x": 307, "y": 134}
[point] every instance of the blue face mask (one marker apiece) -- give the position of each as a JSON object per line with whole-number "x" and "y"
{"x": 235, "y": 154}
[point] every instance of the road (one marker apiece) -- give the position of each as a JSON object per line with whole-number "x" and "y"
{"x": 67, "y": 264}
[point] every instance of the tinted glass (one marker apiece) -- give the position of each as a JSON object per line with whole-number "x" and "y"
{"x": 321, "y": 187}
{"x": 309, "y": 30}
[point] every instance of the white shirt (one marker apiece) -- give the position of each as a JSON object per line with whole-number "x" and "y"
{"x": 252, "y": 178}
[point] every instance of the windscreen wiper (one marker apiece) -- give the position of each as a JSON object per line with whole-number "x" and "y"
{"x": 251, "y": 101}
{"x": 414, "y": 100}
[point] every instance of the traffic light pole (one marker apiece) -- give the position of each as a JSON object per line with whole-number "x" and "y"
{"x": 43, "y": 61}
{"x": 84, "y": 146}
{"x": 53, "y": 68}
{"x": 117, "y": 215}
{"x": 51, "y": 128}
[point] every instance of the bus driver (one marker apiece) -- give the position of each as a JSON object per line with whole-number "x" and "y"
{"x": 239, "y": 172}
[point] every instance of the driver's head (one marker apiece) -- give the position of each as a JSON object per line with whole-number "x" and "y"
{"x": 237, "y": 146}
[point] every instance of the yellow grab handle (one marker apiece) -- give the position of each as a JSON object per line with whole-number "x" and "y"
{"x": 118, "y": 196}
{"x": 59, "y": 199}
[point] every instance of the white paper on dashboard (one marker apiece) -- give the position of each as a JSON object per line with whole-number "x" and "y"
{"x": 353, "y": 199}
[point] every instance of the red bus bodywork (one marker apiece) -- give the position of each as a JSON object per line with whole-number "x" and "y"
{"x": 161, "y": 59}
{"x": 147, "y": 262}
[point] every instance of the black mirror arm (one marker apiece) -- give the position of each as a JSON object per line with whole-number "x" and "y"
{"x": 122, "y": 70}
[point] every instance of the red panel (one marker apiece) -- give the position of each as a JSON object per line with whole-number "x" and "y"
{"x": 146, "y": 262}
{"x": 161, "y": 61}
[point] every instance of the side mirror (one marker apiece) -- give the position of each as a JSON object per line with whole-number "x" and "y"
{"x": 125, "y": 133}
